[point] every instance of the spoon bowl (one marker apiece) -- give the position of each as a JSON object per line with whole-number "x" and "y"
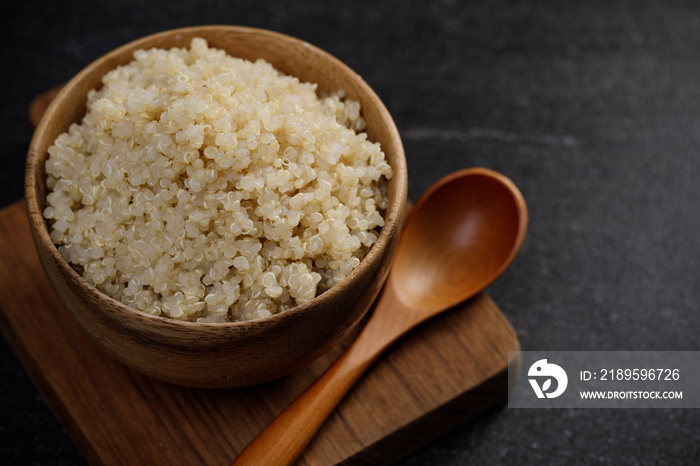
{"x": 458, "y": 238}
{"x": 462, "y": 234}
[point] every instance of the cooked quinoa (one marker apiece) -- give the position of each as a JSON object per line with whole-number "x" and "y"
{"x": 208, "y": 188}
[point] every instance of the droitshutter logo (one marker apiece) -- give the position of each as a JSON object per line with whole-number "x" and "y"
{"x": 543, "y": 370}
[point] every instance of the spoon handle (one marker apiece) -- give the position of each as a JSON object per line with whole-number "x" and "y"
{"x": 286, "y": 437}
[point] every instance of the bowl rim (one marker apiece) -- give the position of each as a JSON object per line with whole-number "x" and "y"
{"x": 393, "y": 215}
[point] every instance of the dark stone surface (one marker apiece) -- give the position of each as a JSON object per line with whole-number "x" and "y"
{"x": 592, "y": 109}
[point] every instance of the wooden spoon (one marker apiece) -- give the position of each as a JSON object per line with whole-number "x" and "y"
{"x": 459, "y": 237}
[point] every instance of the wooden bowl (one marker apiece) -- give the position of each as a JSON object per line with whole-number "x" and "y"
{"x": 228, "y": 354}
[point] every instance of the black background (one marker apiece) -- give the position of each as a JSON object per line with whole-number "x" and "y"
{"x": 592, "y": 108}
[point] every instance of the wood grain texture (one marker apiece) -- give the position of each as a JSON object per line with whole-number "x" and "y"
{"x": 451, "y": 370}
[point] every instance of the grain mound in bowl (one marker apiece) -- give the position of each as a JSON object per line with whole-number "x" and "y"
{"x": 203, "y": 187}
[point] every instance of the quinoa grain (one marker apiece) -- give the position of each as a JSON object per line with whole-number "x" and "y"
{"x": 203, "y": 187}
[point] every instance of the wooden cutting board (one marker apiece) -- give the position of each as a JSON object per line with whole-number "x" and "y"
{"x": 442, "y": 375}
